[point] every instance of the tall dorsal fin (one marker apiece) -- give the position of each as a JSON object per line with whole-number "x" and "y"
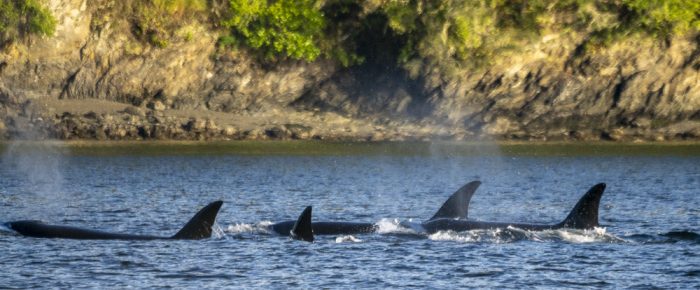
{"x": 199, "y": 227}
{"x": 585, "y": 214}
{"x": 302, "y": 229}
{"x": 457, "y": 206}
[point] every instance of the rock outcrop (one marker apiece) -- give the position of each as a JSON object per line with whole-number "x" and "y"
{"x": 94, "y": 80}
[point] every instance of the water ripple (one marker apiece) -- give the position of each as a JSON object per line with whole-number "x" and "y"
{"x": 649, "y": 240}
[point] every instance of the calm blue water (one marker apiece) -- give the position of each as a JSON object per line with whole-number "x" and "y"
{"x": 650, "y": 213}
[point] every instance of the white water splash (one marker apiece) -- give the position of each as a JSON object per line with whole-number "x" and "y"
{"x": 394, "y": 226}
{"x": 5, "y": 229}
{"x": 217, "y": 231}
{"x": 465, "y": 237}
{"x": 240, "y": 228}
{"x": 585, "y": 236}
{"x": 511, "y": 234}
{"x": 346, "y": 239}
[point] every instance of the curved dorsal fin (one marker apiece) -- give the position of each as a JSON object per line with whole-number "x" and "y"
{"x": 585, "y": 214}
{"x": 302, "y": 229}
{"x": 199, "y": 227}
{"x": 457, "y": 206}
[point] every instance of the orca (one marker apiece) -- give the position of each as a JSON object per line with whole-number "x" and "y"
{"x": 456, "y": 207}
{"x": 302, "y": 229}
{"x": 584, "y": 215}
{"x": 199, "y": 227}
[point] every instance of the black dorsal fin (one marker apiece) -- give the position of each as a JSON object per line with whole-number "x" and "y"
{"x": 302, "y": 229}
{"x": 457, "y": 206}
{"x": 585, "y": 214}
{"x": 199, "y": 227}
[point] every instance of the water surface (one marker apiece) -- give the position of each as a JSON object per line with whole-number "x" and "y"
{"x": 650, "y": 215}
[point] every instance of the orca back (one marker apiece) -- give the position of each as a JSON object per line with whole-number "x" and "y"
{"x": 199, "y": 227}
{"x": 302, "y": 229}
{"x": 457, "y": 206}
{"x": 585, "y": 214}
{"x": 38, "y": 229}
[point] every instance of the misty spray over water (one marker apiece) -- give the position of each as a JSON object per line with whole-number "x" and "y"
{"x": 483, "y": 154}
{"x": 32, "y": 169}
{"x": 473, "y": 156}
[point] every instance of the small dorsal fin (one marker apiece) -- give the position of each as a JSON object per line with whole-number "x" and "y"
{"x": 585, "y": 214}
{"x": 302, "y": 229}
{"x": 457, "y": 206}
{"x": 199, "y": 227}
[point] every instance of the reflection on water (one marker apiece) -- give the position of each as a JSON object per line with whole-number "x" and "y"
{"x": 317, "y": 148}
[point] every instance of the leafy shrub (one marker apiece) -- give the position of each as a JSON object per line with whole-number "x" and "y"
{"x": 277, "y": 28}
{"x": 21, "y": 18}
{"x": 451, "y": 35}
{"x": 666, "y": 17}
{"x": 443, "y": 33}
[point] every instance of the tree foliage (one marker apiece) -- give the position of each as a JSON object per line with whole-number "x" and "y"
{"x": 666, "y": 17}
{"x": 286, "y": 28}
{"x": 425, "y": 34}
{"x": 453, "y": 34}
{"x": 21, "y": 18}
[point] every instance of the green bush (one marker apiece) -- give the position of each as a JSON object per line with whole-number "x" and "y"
{"x": 451, "y": 35}
{"x": 285, "y": 28}
{"x": 447, "y": 35}
{"x": 21, "y": 18}
{"x": 666, "y": 17}
{"x": 444, "y": 33}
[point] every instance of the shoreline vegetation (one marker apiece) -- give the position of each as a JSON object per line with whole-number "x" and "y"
{"x": 350, "y": 70}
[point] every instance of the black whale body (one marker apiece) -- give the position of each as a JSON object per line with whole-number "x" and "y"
{"x": 199, "y": 227}
{"x": 328, "y": 228}
{"x": 584, "y": 215}
{"x": 456, "y": 207}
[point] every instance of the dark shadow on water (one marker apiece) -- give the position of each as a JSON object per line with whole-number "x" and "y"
{"x": 681, "y": 236}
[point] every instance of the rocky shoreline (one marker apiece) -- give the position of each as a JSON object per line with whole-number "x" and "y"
{"x": 114, "y": 121}
{"x": 100, "y": 82}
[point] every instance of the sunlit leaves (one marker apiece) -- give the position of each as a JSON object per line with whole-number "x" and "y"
{"x": 666, "y": 17}
{"x": 278, "y": 28}
{"x": 19, "y": 18}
